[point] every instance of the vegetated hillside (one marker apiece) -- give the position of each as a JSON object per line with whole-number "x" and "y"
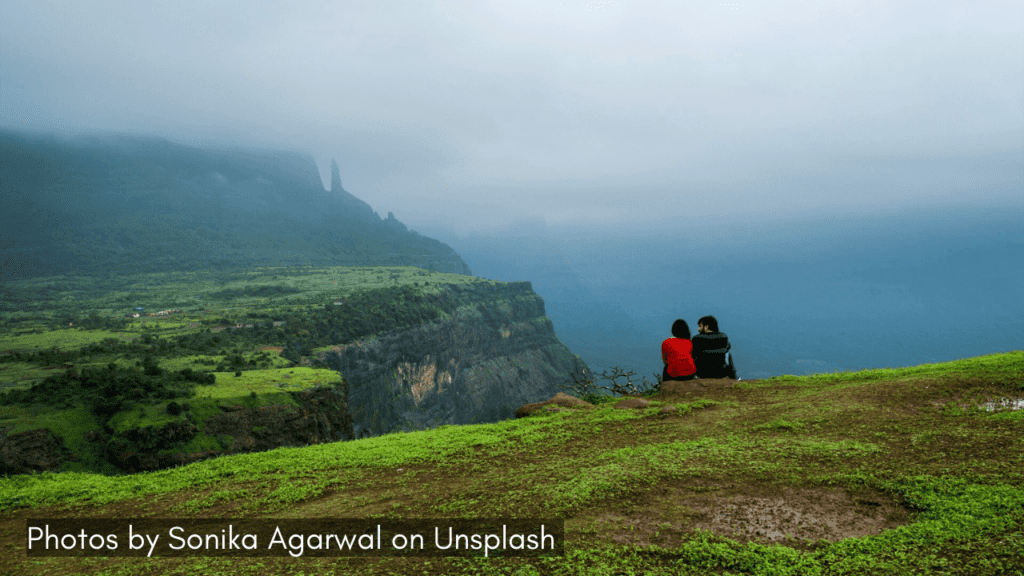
{"x": 121, "y": 204}
{"x": 249, "y": 361}
{"x": 914, "y": 470}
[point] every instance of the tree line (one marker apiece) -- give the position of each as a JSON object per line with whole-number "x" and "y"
{"x": 110, "y": 389}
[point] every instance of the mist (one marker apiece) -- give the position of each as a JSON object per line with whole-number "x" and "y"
{"x": 797, "y": 168}
{"x": 800, "y": 296}
{"x": 471, "y": 115}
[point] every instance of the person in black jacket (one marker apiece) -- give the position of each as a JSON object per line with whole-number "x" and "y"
{"x": 711, "y": 351}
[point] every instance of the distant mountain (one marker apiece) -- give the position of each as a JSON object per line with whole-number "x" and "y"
{"x": 115, "y": 204}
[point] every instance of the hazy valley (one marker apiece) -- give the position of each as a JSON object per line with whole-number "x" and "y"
{"x": 268, "y": 349}
{"x": 798, "y": 297}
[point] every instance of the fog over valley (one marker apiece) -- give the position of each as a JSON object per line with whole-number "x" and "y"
{"x": 795, "y": 298}
{"x": 840, "y": 184}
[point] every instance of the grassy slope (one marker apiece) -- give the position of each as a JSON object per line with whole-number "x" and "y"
{"x": 627, "y": 482}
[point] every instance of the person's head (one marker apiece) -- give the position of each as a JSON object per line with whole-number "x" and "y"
{"x": 708, "y": 323}
{"x": 680, "y": 329}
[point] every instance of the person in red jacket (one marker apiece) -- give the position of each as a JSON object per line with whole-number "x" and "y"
{"x": 677, "y": 354}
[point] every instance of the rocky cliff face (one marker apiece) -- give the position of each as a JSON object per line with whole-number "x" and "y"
{"x": 497, "y": 352}
{"x": 32, "y": 451}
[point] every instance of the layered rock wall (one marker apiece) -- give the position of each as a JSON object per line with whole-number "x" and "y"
{"x": 32, "y": 451}
{"x": 495, "y": 353}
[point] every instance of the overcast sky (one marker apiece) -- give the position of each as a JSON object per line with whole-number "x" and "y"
{"x": 472, "y": 114}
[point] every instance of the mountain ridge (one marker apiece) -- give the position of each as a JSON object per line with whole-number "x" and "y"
{"x": 101, "y": 203}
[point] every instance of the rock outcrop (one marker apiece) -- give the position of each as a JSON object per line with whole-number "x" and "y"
{"x": 32, "y": 451}
{"x": 560, "y": 403}
{"x": 495, "y": 353}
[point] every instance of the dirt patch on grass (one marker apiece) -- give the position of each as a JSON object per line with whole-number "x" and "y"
{"x": 683, "y": 388}
{"x": 990, "y": 402}
{"x": 916, "y": 393}
{"x": 796, "y": 517}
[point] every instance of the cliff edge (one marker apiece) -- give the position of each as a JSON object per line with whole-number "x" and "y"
{"x": 496, "y": 352}
{"x": 409, "y": 358}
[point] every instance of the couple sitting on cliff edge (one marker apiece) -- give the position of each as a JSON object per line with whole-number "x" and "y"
{"x": 706, "y": 355}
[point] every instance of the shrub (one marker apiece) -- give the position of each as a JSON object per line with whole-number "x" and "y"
{"x": 173, "y": 408}
{"x": 104, "y": 392}
{"x": 107, "y": 407}
{"x": 150, "y": 368}
{"x": 238, "y": 373}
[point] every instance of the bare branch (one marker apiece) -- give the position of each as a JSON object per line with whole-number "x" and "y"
{"x": 582, "y": 383}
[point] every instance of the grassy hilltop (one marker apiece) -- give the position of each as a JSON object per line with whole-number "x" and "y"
{"x": 888, "y": 471}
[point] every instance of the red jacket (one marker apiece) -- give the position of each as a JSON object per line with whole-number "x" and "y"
{"x": 677, "y": 353}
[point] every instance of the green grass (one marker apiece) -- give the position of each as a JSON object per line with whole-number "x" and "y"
{"x": 190, "y": 292}
{"x": 64, "y": 338}
{"x": 629, "y": 483}
{"x": 230, "y": 387}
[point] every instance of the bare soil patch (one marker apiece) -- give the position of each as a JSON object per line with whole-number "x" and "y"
{"x": 913, "y": 394}
{"x": 686, "y": 387}
{"x": 795, "y": 517}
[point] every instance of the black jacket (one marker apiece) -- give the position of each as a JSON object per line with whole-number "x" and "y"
{"x": 712, "y": 356}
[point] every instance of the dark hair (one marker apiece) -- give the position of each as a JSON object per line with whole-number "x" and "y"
{"x": 710, "y": 322}
{"x": 680, "y": 329}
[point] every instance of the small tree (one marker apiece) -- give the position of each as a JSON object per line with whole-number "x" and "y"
{"x": 585, "y": 384}
{"x": 150, "y": 368}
